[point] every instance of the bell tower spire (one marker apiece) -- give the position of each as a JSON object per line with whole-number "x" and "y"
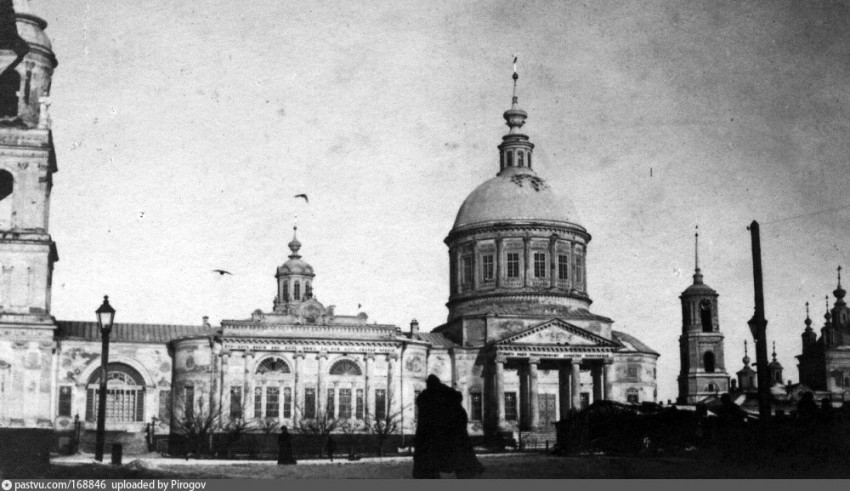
{"x": 702, "y": 367}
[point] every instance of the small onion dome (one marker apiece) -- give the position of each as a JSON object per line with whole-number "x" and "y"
{"x": 295, "y": 265}
{"x": 31, "y": 28}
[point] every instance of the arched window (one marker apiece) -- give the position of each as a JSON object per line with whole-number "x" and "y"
{"x": 345, "y": 367}
{"x": 10, "y": 84}
{"x": 520, "y": 159}
{"x": 296, "y": 291}
{"x": 708, "y": 362}
{"x": 7, "y": 186}
{"x": 125, "y": 394}
{"x": 272, "y": 366}
{"x": 510, "y": 158}
{"x": 529, "y": 160}
{"x": 285, "y": 291}
{"x": 705, "y": 315}
{"x": 711, "y": 388}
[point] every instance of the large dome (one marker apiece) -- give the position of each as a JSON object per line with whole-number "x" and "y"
{"x": 516, "y": 194}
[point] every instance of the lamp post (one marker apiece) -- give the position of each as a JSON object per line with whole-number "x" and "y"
{"x": 105, "y": 316}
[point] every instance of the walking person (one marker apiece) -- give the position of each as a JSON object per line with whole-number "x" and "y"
{"x": 442, "y": 443}
{"x": 284, "y": 448}
{"x": 330, "y": 446}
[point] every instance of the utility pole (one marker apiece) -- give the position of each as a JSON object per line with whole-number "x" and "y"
{"x": 758, "y": 326}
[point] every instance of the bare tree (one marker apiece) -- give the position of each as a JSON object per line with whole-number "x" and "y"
{"x": 384, "y": 426}
{"x": 196, "y": 422}
{"x": 321, "y": 425}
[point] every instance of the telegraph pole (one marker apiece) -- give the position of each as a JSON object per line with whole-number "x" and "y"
{"x": 758, "y": 326}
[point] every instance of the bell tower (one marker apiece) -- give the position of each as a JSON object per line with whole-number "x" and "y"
{"x": 27, "y": 253}
{"x": 703, "y": 371}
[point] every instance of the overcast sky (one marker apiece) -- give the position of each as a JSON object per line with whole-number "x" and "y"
{"x": 183, "y": 130}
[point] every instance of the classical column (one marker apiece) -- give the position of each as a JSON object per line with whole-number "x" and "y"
{"x": 575, "y": 386}
{"x": 393, "y": 395}
{"x": 526, "y": 277}
{"x": 298, "y": 386}
{"x": 500, "y": 391}
{"x": 224, "y": 390}
{"x": 609, "y": 379}
{"x": 368, "y": 397}
{"x": 563, "y": 389}
{"x": 596, "y": 373}
{"x": 498, "y": 262}
{"x": 533, "y": 399}
{"x": 215, "y": 378}
{"x": 553, "y": 261}
{"x": 248, "y": 358}
{"x": 322, "y": 395}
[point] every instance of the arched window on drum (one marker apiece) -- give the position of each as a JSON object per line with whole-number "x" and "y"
{"x": 125, "y": 394}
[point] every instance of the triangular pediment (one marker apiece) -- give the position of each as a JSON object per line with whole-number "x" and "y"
{"x": 557, "y": 332}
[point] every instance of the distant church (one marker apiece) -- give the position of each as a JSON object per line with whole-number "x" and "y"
{"x": 824, "y": 364}
{"x": 520, "y": 342}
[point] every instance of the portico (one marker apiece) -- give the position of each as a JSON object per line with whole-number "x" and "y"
{"x": 553, "y": 397}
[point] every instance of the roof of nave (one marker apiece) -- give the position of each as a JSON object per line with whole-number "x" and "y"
{"x": 131, "y": 333}
{"x": 633, "y": 343}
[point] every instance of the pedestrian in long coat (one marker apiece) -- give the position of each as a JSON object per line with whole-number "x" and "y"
{"x": 442, "y": 443}
{"x": 284, "y": 448}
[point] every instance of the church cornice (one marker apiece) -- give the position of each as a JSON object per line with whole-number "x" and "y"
{"x": 229, "y": 342}
{"x": 521, "y": 294}
{"x": 516, "y": 225}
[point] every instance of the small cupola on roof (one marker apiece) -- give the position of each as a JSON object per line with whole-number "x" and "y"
{"x": 26, "y": 66}
{"x": 515, "y": 149}
{"x": 294, "y": 278}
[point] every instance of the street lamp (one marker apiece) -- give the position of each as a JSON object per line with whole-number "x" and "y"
{"x": 105, "y": 317}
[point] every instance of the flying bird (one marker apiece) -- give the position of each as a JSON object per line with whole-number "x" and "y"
{"x": 302, "y": 196}
{"x": 222, "y": 272}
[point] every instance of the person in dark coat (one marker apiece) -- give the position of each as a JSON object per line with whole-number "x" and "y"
{"x": 284, "y": 448}
{"x": 330, "y": 446}
{"x": 442, "y": 443}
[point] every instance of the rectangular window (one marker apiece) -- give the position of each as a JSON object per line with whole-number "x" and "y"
{"x": 272, "y": 402}
{"x": 358, "y": 412}
{"x": 632, "y": 396}
{"x": 345, "y": 403}
{"x": 467, "y": 270}
{"x": 487, "y": 267}
{"x": 510, "y": 406}
{"x": 164, "y": 406}
{"x": 539, "y": 265}
{"x": 235, "y": 402}
{"x": 189, "y": 402}
{"x": 258, "y": 402}
{"x": 563, "y": 266}
{"x": 380, "y": 404}
{"x": 475, "y": 398}
{"x": 65, "y": 400}
{"x": 513, "y": 265}
{"x": 310, "y": 403}
{"x": 287, "y": 403}
{"x": 90, "y": 404}
{"x": 330, "y": 410}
